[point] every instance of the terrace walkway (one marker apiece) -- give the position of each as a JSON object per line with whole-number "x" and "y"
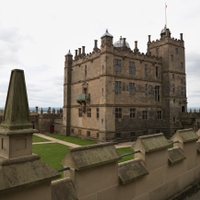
{"x": 54, "y": 140}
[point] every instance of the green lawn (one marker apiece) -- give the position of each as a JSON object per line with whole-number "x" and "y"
{"x": 38, "y": 139}
{"x": 71, "y": 139}
{"x": 51, "y": 153}
{"x": 123, "y": 151}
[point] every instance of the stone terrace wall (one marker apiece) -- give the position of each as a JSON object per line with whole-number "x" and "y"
{"x": 156, "y": 173}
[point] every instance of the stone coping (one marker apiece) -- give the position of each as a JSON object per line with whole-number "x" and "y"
{"x": 4, "y": 161}
{"x": 63, "y": 189}
{"x": 175, "y": 155}
{"x": 25, "y": 174}
{"x": 6, "y": 131}
{"x": 187, "y": 135}
{"x": 154, "y": 142}
{"x": 131, "y": 170}
{"x": 90, "y": 156}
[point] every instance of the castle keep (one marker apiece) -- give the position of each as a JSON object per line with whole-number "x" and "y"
{"x": 115, "y": 93}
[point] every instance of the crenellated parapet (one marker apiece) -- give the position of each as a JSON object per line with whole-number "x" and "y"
{"x": 120, "y": 47}
{"x": 166, "y": 40}
{"x": 137, "y": 55}
{"x": 89, "y": 57}
{"x": 161, "y": 168}
{"x": 80, "y": 55}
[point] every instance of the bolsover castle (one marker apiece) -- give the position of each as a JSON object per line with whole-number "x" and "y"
{"x": 115, "y": 93}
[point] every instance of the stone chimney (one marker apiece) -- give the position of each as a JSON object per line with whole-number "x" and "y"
{"x": 95, "y": 46}
{"x": 136, "y": 50}
{"x": 83, "y": 50}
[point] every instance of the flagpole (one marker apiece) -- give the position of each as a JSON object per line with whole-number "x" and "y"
{"x": 165, "y": 15}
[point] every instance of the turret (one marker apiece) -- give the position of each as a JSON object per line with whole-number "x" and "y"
{"x": 106, "y": 40}
{"x": 165, "y": 33}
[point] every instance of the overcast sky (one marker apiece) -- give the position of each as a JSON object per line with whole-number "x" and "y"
{"x": 35, "y": 35}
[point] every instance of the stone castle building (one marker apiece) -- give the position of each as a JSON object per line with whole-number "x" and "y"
{"x": 115, "y": 93}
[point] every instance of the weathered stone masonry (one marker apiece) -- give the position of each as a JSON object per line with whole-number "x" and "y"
{"x": 115, "y": 93}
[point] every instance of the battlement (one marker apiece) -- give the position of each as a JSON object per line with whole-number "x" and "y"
{"x": 173, "y": 41}
{"x": 157, "y": 171}
{"x": 128, "y": 53}
{"x": 49, "y": 111}
{"x": 137, "y": 55}
{"x": 191, "y": 113}
{"x": 81, "y": 57}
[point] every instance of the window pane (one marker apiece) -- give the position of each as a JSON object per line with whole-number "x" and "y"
{"x": 145, "y": 70}
{"x": 118, "y": 87}
{"x": 157, "y": 71}
{"x": 157, "y": 93}
{"x": 131, "y": 67}
{"x": 117, "y": 65}
{"x": 118, "y": 113}
{"x": 132, "y": 112}
{"x": 144, "y": 114}
{"x": 97, "y": 111}
{"x": 80, "y": 112}
{"x": 131, "y": 88}
{"x": 159, "y": 114}
{"x": 88, "y": 112}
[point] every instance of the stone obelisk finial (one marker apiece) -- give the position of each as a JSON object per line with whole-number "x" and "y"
{"x": 16, "y": 129}
{"x": 16, "y": 114}
{"x": 21, "y": 172}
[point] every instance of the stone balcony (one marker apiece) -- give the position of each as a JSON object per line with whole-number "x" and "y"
{"x": 83, "y": 98}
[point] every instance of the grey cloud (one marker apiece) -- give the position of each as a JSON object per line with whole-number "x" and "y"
{"x": 9, "y": 46}
{"x": 11, "y": 41}
{"x": 193, "y": 65}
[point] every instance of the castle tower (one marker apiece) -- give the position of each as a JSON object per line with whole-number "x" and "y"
{"x": 67, "y": 93}
{"x": 174, "y": 98}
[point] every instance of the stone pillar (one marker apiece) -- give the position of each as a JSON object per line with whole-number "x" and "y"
{"x": 21, "y": 172}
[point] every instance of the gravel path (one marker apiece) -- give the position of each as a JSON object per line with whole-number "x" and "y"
{"x": 52, "y": 140}
{"x": 55, "y": 140}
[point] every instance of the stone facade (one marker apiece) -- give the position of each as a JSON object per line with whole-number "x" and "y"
{"x": 115, "y": 93}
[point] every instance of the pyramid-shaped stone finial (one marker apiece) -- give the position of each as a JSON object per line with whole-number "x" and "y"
{"x": 16, "y": 114}
{"x": 16, "y": 129}
{"x": 21, "y": 172}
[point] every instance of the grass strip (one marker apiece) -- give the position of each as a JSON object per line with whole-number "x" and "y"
{"x": 123, "y": 151}
{"x": 38, "y": 139}
{"x": 51, "y": 153}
